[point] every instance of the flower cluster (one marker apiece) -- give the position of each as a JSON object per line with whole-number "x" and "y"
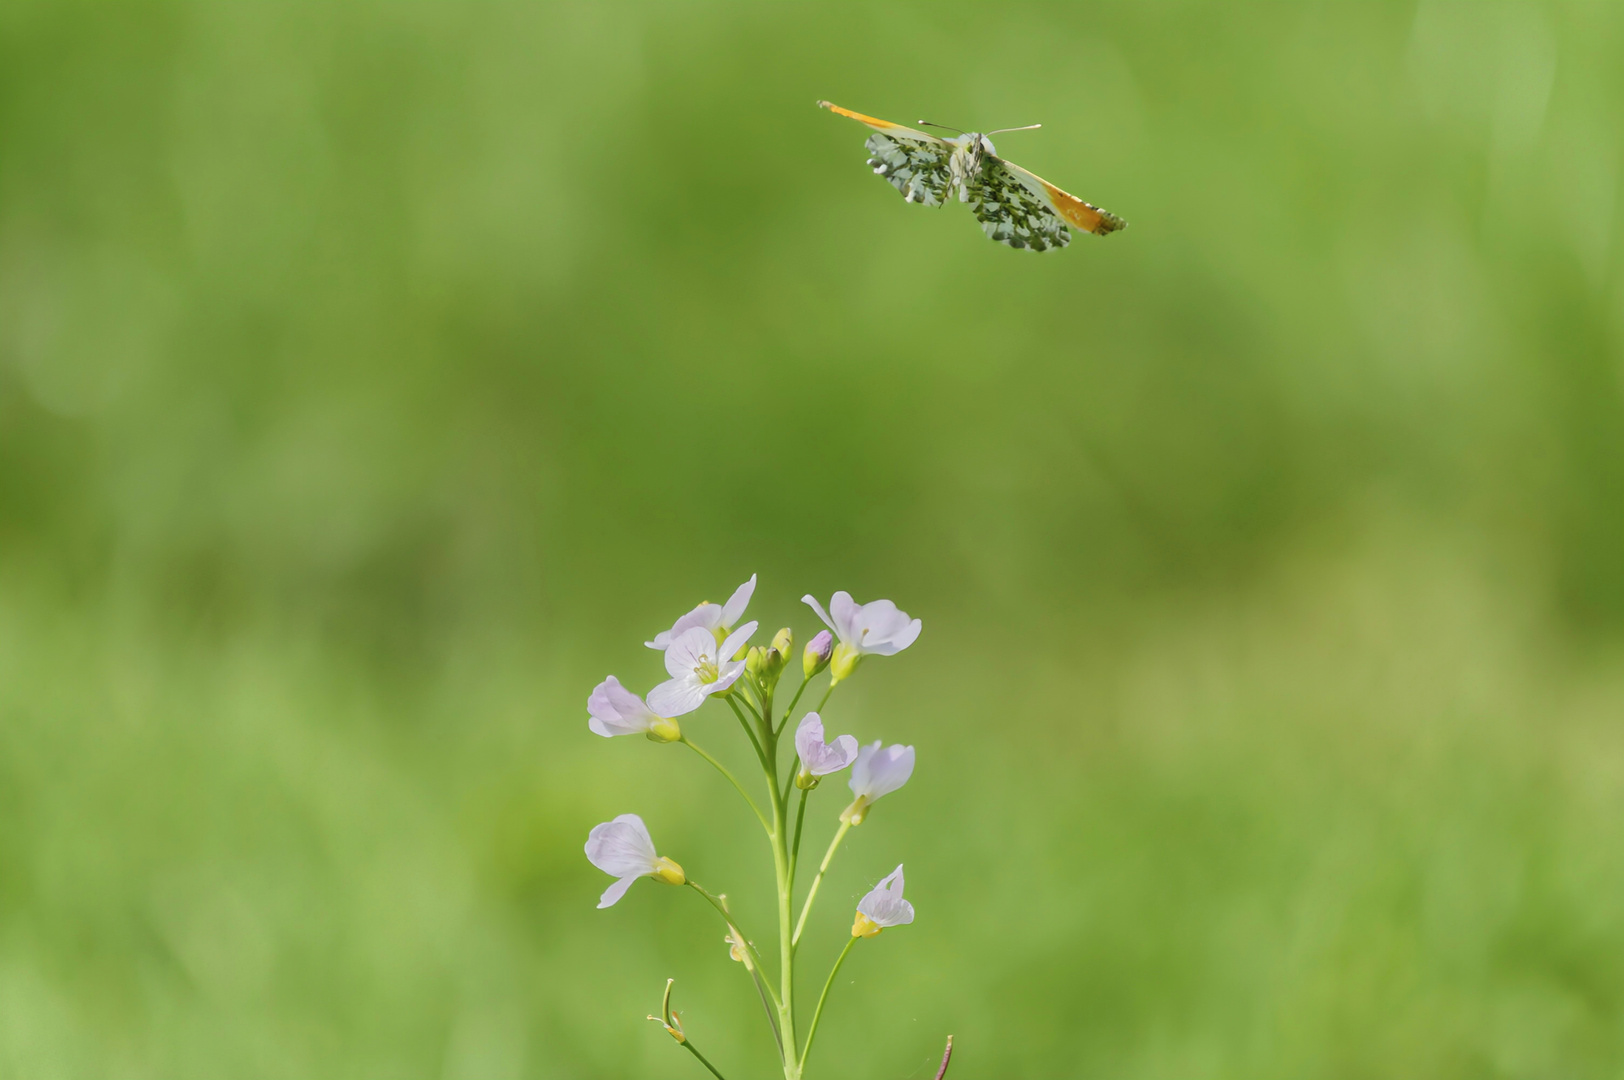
{"x": 708, "y": 654}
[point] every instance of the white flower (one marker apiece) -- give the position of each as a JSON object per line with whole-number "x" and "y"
{"x": 712, "y": 617}
{"x": 877, "y": 773}
{"x": 882, "y": 907}
{"x": 876, "y": 628}
{"x": 699, "y": 667}
{"x": 622, "y": 849}
{"x": 819, "y": 758}
{"x": 615, "y": 710}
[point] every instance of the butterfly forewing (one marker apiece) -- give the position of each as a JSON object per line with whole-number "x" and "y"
{"x": 1074, "y": 211}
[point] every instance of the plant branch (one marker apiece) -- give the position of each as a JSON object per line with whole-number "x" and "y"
{"x": 812, "y": 894}
{"x": 732, "y": 924}
{"x": 812, "y": 1031}
{"x": 761, "y": 755}
{"x": 724, "y": 771}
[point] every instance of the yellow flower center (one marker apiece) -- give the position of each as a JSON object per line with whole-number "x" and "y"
{"x": 669, "y": 872}
{"x": 863, "y": 926}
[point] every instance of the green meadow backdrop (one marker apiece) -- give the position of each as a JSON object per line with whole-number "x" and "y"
{"x": 375, "y": 377}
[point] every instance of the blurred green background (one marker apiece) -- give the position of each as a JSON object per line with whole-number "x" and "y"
{"x": 376, "y": 377}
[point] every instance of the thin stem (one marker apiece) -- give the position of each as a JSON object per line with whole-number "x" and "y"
{"x": 829, "y": 690}
{"x": 688, "y": 1045}
{"x": 795, "y": 848}
{"x": 786, "y": 953}
{"x": 761, "y": 755}
{"x": 817, "y": 1014}
{"x": 947, "y": 1055}
{"x": 732, "y": 923}
{"x": 812, "y": 894}
{"x": 723, "y": 770}
{"x": 794, "y": 701}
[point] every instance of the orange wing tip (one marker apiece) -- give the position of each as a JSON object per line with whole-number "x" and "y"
{"x": 1082, "y": 215}
{"x": 873, "y": 122}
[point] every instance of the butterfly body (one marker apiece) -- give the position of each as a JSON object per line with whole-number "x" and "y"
{"x": 1014, "y": 206}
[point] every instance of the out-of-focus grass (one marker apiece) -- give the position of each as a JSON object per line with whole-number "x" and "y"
{"x": 375, "y": 378}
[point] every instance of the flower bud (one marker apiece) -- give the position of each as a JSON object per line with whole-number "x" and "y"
{"x": 818, "y": 651}
{"x": 663, "y": 730}
{"x": 754, "y": 660}
{"x": 783, "y": 644}
{"x": 844, "y": 662}
{"x": 668, "y": 871}
{"x": 863, "y": 926}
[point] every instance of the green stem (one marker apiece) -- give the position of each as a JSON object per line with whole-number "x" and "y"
{"x": 825, "y": 700}
{"x": 732, "y": 924}
{"x": 794, "y": 701}
{"x": 812, "y": 894}
{"x": 817, "y": 1014}
{"x": 795, "y": 848}
{"x": 688, "y": 1045}
{"x": 786, "y": 953}
{"x": 761, "y": 755}
{"x": 724, "y": 771}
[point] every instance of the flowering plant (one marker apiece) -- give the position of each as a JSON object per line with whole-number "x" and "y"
{"x": 709, "y": 656}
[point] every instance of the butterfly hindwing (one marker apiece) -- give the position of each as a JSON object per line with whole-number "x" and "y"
{"x": 1011, "y": 213}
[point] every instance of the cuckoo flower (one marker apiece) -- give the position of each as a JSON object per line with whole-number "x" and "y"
{"x": 622, "y": 849}
{"x": 699, "y": 667}
{"x": 875, "y": 628}
{"x": 719, "y": 619}
{"x": 615, "y": 710}
{"x": 882, "y": 907}
{"x": 877, "y": 773}
{"x": 819, "y": 758}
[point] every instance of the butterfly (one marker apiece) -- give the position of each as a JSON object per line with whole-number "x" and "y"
{"x": 1015, "y": 207}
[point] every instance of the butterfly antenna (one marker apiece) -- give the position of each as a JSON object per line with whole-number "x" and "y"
{"x": 1028, "y": 127}
{"x": 944, "y": 127}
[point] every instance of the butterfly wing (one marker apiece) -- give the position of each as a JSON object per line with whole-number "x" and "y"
{"x": 1023, "y": 210}
{"x": 913, "y": 162}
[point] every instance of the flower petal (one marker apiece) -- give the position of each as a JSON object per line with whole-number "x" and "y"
{"x": 737, "y": 640}
{"x": 689, "y": 649}
{"x": 845, "y": 612}
{"x": 678, "y": 697}
{"x": 621, "y": 847}
{"x": 708, "y": 616}
{"x": 611, "y": 896}
{"x": 810, "y": 601}
{"x": 895, "y": 643}
{"x": 884, "y": 903}
{"x": 738, "y": 602}
{"x": 879, "y": 772}
{"x": 809, "y": 738}
{"x": 727, "y": 675}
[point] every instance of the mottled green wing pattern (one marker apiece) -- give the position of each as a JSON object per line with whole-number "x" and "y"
{"x": 919, "y": 170}
{"x": 1012, "y": 213}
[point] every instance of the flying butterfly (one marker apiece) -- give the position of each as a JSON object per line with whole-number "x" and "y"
{"x": 1015, "y": 207}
